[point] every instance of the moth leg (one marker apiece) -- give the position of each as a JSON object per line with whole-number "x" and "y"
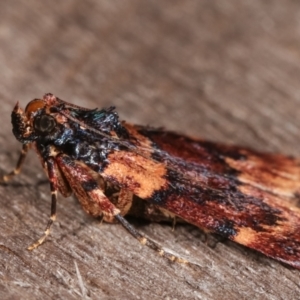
{"x": 211, "y": 239}
{"x": 122, "y": 200}
{"x": 87, "y": 187}
{"x": 99, "y": 205}
{"x": 53, "y": 178}
{"x": 174, "y": 223}
{"x": 149, "y": 243}
{"x": 19, "y": 164}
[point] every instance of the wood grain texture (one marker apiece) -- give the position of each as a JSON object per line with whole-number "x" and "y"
{"x": 224, "y": 70}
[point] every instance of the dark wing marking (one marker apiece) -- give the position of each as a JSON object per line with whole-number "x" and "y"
{"x": 246, "y": 196}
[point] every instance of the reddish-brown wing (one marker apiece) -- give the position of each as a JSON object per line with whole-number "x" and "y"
{"x": 246, "y": 196}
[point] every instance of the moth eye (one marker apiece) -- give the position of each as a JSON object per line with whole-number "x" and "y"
{"x": 44, "y": 124}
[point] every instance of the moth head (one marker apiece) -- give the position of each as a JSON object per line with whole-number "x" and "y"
{"x": 42, "y": 122}
{"x": 34, "y": 122}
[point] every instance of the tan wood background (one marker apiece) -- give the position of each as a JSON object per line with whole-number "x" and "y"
{"x": 225, "y": 70}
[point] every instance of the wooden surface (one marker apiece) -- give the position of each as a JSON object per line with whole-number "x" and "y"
{"x": 225, "y": 70}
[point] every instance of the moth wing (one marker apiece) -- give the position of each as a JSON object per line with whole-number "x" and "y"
{"x": 246, "y": 196}
{"x": 276, "y": 173}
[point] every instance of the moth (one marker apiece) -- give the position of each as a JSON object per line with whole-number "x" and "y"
{"x": 115, "y": 169}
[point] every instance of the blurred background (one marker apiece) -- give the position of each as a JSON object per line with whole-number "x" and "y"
{"x": 230, "y": 69}
{"x": 223, "y": 70}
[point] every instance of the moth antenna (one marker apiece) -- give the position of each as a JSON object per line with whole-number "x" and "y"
{"x": 86, "y": 126}
{"x": 60, "y": 101}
